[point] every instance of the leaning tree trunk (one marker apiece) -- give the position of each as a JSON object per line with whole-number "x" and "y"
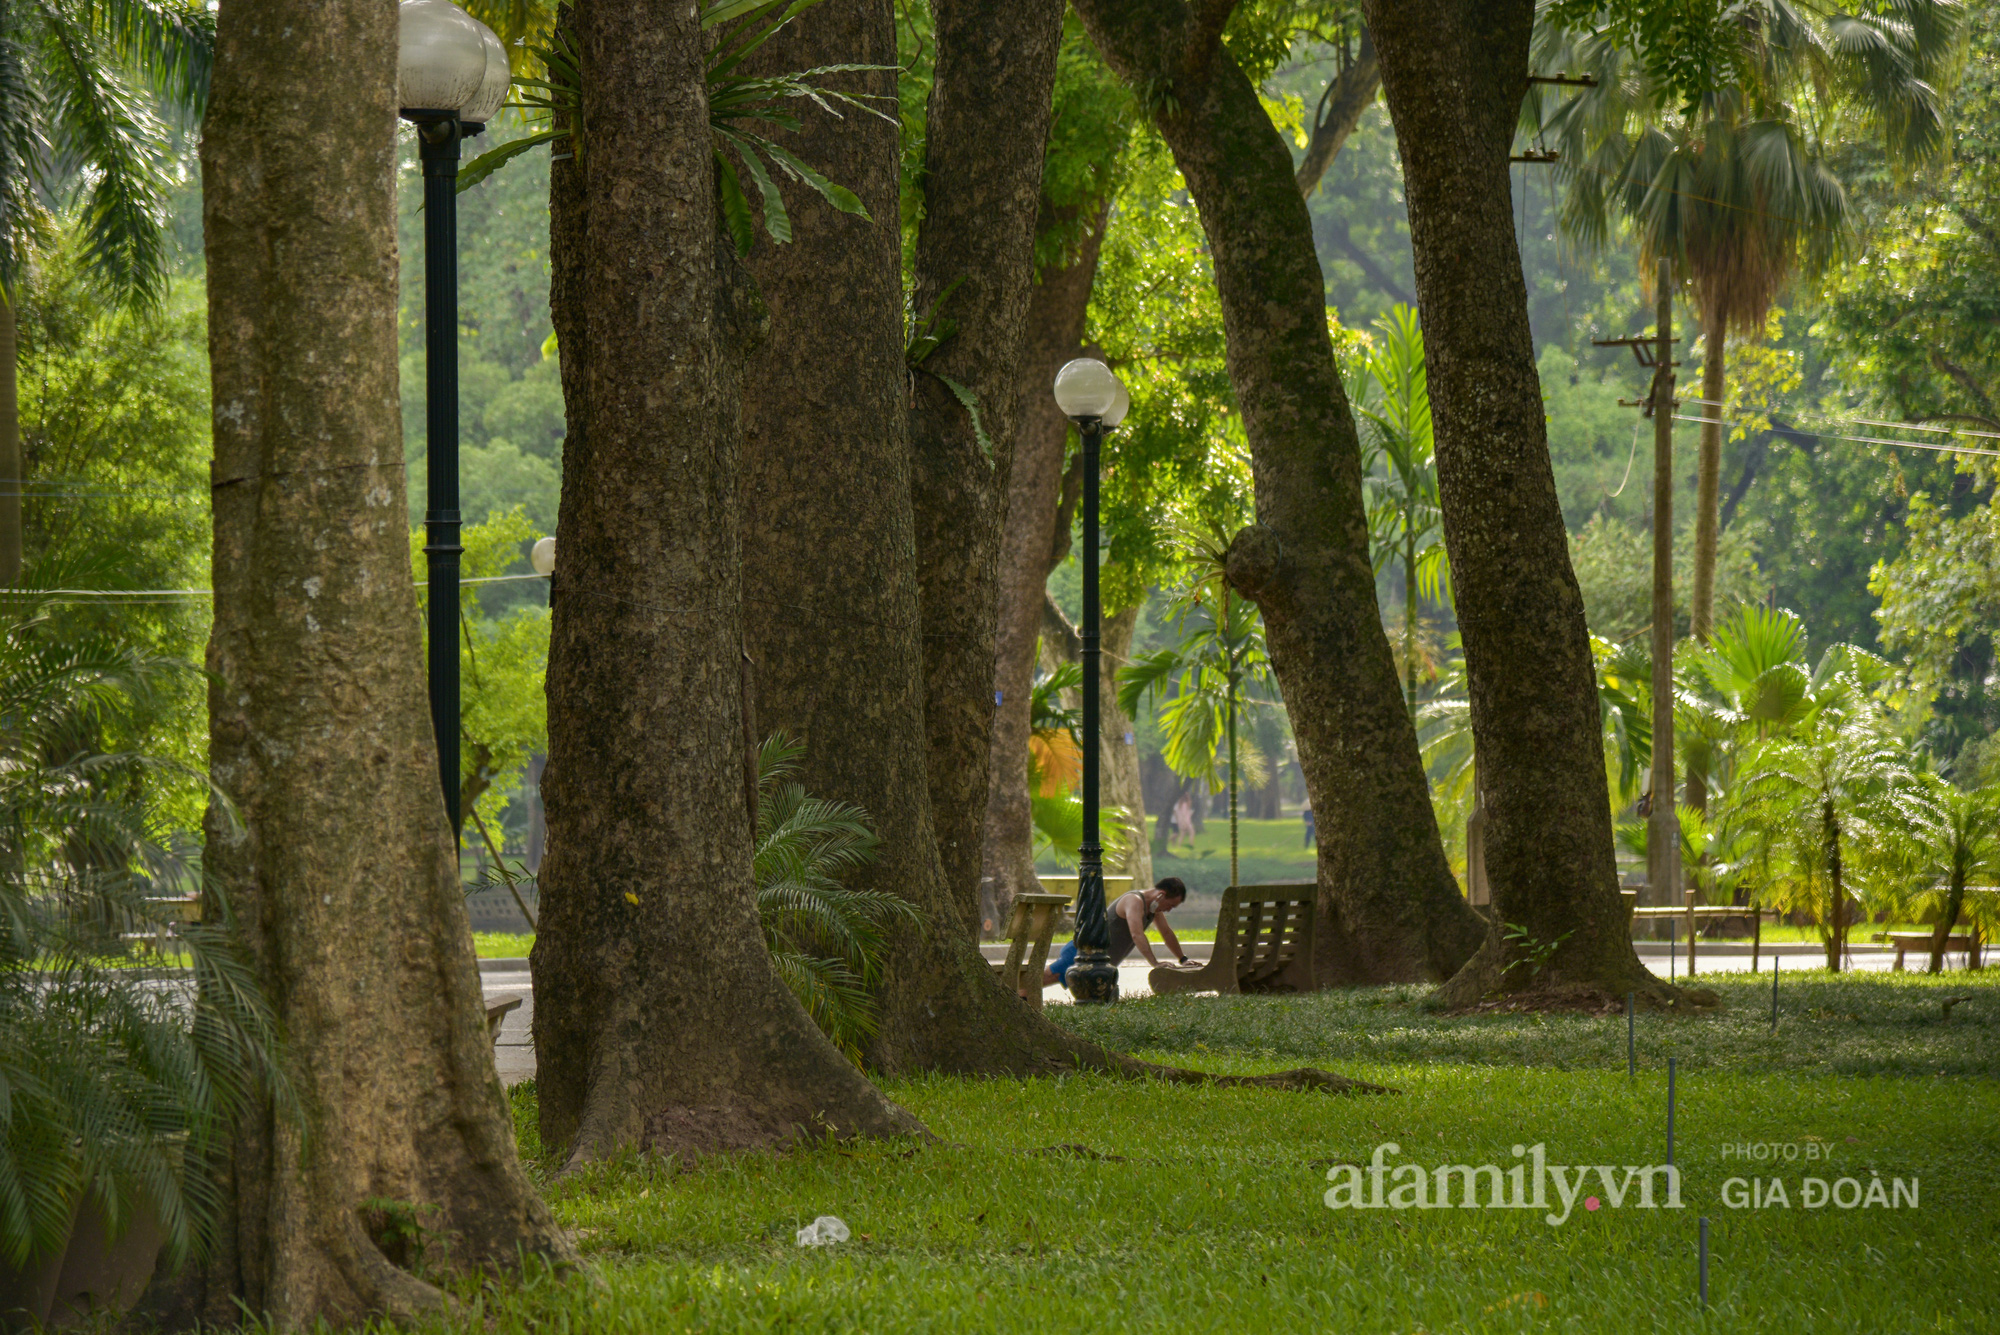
{"x": 1454, "y": 75}
{"x": 984, "y": 131}
{"x": 337, "y": 858}
{"x": 1032, "y": 544}
{"x": 659, "y": 1020}
{"x": 1390, "y": 908}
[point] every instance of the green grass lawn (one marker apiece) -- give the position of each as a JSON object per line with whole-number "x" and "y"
{"x": 1213, "y": 1219}
{"x": 502, "y": 945}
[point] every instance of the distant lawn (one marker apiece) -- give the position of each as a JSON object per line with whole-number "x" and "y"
{"x": 502, "y": 945}
{"x": 1267, "y": 850}
{"x": 1213, "y": 1220}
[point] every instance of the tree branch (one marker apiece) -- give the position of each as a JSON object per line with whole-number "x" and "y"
{"x": 1966, "y": 382}
{"x": 1366, "y": 262}
{"x": 1347, "y": 95}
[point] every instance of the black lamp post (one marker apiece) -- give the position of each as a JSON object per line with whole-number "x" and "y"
{"x": 1092, "y": 397}
{"x": 452, "y": 77}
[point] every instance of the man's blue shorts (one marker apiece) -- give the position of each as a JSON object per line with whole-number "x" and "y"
{"x": 1060, "y": 965}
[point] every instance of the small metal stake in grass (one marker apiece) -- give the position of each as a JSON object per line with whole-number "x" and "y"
{"x": 1631, "y": 1041}
{"x": 1704, "y": 1260}
{"x": 1673, "y": 947}
{"x": 1774, "y": 991}
{"x": 1670, "y": 1112}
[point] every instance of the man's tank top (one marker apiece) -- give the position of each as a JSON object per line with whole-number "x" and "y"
{"x": 1121, "y": 930}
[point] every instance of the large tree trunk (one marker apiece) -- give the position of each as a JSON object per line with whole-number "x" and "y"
{"x": 11, "y": 471}
{"x": 342, "y": 871}
{"x": 1391, "y": 910}
{"x": 659, "y": 1020}
{"x": 1454, "y": 75}
{"x": 1708, "y": 486}
{"x": 1033, "y": 542}
{"x": 984, "y": 133}
{"x": 831, "y": 596}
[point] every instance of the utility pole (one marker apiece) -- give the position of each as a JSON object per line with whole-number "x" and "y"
{"x": 1663, "y": 834}
{"x": 1663, "y": 831}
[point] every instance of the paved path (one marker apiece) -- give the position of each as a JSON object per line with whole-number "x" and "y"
{"x": 514, "y": 1054}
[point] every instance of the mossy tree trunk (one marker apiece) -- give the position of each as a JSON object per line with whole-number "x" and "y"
{"x": 1041, "y": 498}
{"x": 1454, "y": 76}
{"x": 342, "y": 871}
{"x": 659, "y": 1019}
{"x": 1390, "y": 908}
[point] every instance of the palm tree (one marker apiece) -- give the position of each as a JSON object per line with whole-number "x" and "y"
{"x": 1949, "y": 835}
{"x": 1405, "y": 520}
{"x": 1713, "y": 145}
{"x": 75, "y": 127}
{"x": 827, "y": 941}
{"x": 1221, "y": 652}
{"x": 1833, "y": 776}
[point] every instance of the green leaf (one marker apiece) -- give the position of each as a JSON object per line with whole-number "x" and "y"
{"x": 776, "y": 221}
{"x": 735, "y": 208}
{"x": 483, "y": 166}
{"x": 970, "y": 401}
{"x": 839, "y": 196}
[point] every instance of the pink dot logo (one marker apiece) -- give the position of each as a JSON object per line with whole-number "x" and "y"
{"x": 1590, "y": 1202}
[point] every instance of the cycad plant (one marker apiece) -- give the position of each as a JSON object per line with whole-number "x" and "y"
{"x": 79, "y": 80}
{"x": 1947, "y": 836}
{"x": 113, "y": 1089}
{"x": 743, "y": 110}
{"x": 1830, "y": 780}
{"x": 1710, "y": 134}
{"x": 1219, "y": 666}
{"x": 826, "y": 940}
{"x": 1399, "y": 471}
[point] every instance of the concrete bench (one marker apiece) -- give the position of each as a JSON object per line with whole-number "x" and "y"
{"x": 1966, "y": 942}
{"x": 1263, "y": 943}
{"x": 1029, "y": 932}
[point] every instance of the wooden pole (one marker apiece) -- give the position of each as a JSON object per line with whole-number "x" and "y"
{"x": 1663, "y": 836}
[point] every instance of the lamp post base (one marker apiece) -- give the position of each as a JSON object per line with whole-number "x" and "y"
{"x": 1093, "y": 979}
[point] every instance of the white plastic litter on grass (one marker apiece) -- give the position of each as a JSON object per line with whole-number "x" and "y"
{"x": 823, "y": 1232}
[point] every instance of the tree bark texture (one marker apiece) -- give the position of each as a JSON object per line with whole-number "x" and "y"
{"x": 659, "y": 1020}
{"x": 1351, "y": 92}
{"x": 1390, "y": 909}
{"x": 1454, "y": 75}
{"x": 1034, "y": 540}
{"x": 986, "y": 127}
{"x": 342, "y": 871}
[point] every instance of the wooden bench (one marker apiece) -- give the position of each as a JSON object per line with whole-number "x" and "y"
{"x": 167, "y": 912}
{"x": 1967, "y": 942}
{"x": 1263, "y": 943}
{"x": 1029, "y": 932}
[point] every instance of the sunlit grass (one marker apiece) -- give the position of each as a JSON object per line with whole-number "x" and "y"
{"x": 1212, "y": 1219}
